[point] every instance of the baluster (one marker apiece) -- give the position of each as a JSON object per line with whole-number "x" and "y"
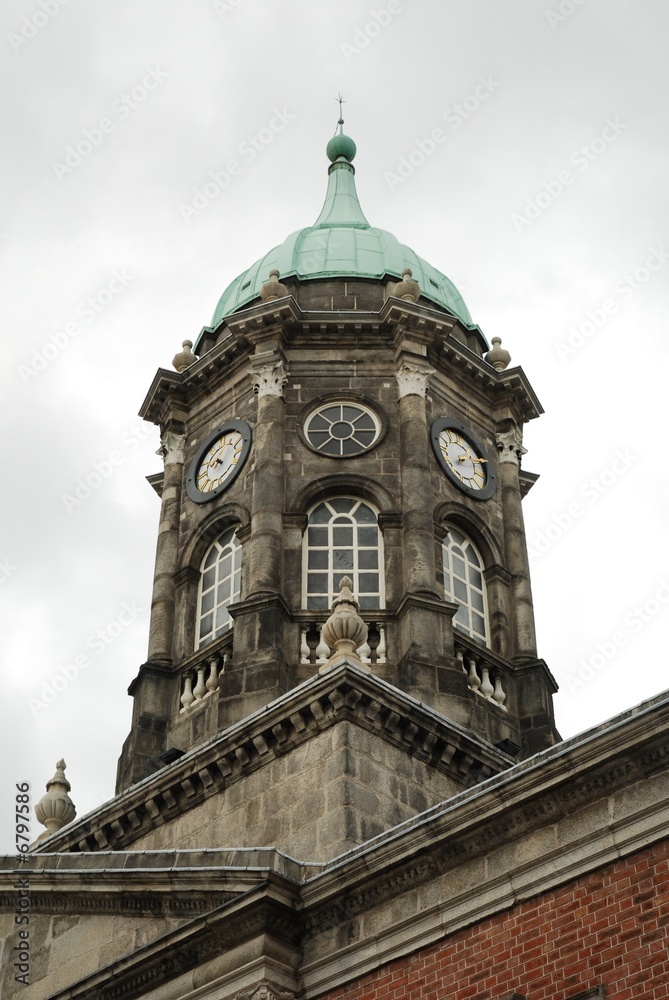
{"x": 472, "y": 677}
{"x": 187, "y": 698}
{"x": 305, "y": 652}
{"x": 486, "y": 688}
{"x": 499, "y": 695}
{"x": 200, "y": 689}
{"x": 381, "y": 648}
{"x": 365, "y": 652}
{"x": 322, "y": 649}
{"x": 212, "y": 680}
{"x": 460, "y": 657}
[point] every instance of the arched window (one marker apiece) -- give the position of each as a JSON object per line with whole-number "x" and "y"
{"x": 464, "y": 584}
{"x": 343, "y": 539}
{"x": 220, "y": 585}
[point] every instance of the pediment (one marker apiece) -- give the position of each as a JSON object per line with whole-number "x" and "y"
{"x": 396, "y": 727}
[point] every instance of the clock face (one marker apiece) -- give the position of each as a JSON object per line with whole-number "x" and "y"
{"x": 462, "y": 458}
{"x": 218, "y": 461}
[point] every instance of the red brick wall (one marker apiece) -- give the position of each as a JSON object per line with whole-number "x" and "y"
{"x": 609, "y": 927}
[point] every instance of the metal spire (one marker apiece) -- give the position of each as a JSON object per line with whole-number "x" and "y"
{"x": 340, "y": 123}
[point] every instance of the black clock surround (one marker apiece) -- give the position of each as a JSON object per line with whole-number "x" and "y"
{"x": 230, "y": 426}
{"x": 450, "y": 423}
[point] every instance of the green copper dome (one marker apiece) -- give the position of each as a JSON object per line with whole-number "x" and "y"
{"x": 341, "y": 243}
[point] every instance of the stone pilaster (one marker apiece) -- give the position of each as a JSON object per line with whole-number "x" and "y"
{"x": 258, "y": 671}
{"x": 151, "y": 689}
{"x": 510, "y": 446}
{"x": 172, "y": 450}
{"x": 427, "y": 666}
{"x": 418, "y": 531}
{"x": 264, "y": 574}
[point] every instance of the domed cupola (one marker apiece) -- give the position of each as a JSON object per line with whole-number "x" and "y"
{"x": 342, "y": 244}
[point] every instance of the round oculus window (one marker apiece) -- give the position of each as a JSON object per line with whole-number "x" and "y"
{"x": 342, "y": 429}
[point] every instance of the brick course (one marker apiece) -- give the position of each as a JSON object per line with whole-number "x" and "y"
{"x": 609, "y": 927}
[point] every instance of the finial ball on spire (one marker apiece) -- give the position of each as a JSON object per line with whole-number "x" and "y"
{"x": 341, "y": 145}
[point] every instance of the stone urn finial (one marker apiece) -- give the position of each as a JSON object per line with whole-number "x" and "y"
{"x": 55, "y": 809}
{"x": 497, "y": 356}
{"x": 273, "y": 289}
{"x": 407, "y": 289}
{"x": 184, "y": 359}
{"x": 344, "y": 630}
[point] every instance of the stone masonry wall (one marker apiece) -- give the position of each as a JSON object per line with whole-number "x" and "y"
{"x": 334, "y": 792}
{"x": 609, "y": 928}
{"x": 65, "y": 948}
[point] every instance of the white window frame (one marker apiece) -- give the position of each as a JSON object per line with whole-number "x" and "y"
{"x": 336, "y": 445}
{"x": 472, "y": 599}
{"x": 227, "y": 544}
{"x": 368, "y": 600}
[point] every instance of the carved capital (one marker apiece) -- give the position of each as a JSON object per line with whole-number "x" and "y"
{"x": 269, "y": 379}
{"x": 412, "y": 379}
{"x": 510, "y": 445}
{"x": 172, "y": 448}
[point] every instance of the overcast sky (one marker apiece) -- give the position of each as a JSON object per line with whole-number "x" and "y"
{"x": 520, "y": 146}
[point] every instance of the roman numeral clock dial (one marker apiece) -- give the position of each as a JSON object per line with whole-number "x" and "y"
{"x": 218, "y": 461}
{"x": 462, "y": 457}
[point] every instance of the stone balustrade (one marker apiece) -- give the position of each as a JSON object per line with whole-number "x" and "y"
{"x": 201, "y": 677}
{"x": 314, "y": 649}
{"x": 484, "y": 676}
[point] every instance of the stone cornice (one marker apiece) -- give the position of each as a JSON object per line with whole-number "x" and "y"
{"x": 543, "y": 823}
{"x": 166, "y": 385}
{"x": 258, "y": 602}
{"x": 567, "y": 811}
{"x": 149, "y": 669}
{"x": 512, "y": 382}
{"x": 143, "y": 883}
{"x": 553, "y": 784}
{"x": 527, "y": 481}
{"x": 169, "y": 387}
{"x": 283, "y": 322}
{"x": 345, "y": 692}
{"x": 417, "y": 319}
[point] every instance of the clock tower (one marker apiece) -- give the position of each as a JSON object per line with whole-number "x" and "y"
{"x": 343, "y": 776}
{"x": 341, "y": 417}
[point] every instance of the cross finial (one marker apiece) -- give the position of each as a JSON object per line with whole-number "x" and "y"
{"x": 340, "y": 123}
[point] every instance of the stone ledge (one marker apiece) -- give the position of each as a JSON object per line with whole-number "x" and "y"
{"x": 434, "y": 904}
{"x": 345, "y": 692}
{"x": 544, "y": 822}
{"x": 512, "y": 380}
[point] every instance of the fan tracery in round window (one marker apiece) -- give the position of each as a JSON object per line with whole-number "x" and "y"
{"x": 342, "y": 429}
